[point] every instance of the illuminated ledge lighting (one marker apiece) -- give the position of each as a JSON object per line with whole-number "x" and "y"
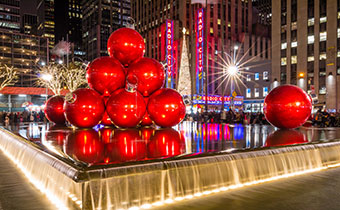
{"x": 231, "y": 187}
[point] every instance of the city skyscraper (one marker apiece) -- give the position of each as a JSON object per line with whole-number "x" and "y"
{"x": 100, "y": 19}
{"x": 306, "y": 47}
{"x": 10, "y": 15}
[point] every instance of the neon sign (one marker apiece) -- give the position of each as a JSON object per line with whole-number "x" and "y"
{"x": 199, "y": 51}
{"x": 217, "y": 100}
{"x": 169, "y": 50}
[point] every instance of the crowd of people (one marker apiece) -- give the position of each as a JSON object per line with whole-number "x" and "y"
{"x": 320, "y": 118}
{"x": 7, "y": 118}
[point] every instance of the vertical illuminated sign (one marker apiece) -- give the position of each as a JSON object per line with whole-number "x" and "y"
{"x": 169, "y": 53}
{"x": 199, "y": 51}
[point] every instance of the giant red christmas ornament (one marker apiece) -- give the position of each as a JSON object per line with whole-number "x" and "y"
{"x": 287, "y": 106}
{"x": 84, "y": 108}
{"x": 106, "y": 118}
{"x": 126, "y": 45}
{"x": 86, "y": 146}
{"x": 54, "y": 110}
{"x": 166, "y": 143}
{"x": 150, "y": 75}
{"x": 285, "y": 137}
{"x": 146, "y": 119}
{"x": 126, "y": 107}
{"x": 126, "y": 145}
{"x": 166, "y": 107}
{"x": 105, "y": 75}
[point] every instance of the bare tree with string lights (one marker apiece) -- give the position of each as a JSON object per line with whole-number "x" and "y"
{"x": 8, "y": 76}
{"x": 51, "y": 77}
{"x": 74, "y": 76}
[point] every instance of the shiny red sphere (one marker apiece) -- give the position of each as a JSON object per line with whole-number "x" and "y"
{"x": 85, "y": 146}
{"x": 105, "y": 75}
{"x": 166, "y": 107}
{"x": 106, "y": 118}
{"x": 166, "y": 143}
{"x": 126, "y": 45}
{"x": 146, "y": 119}
{"x": 126, "y": 145}
{"x": 150, "y": 75}
{"x": 54, "y": 109}
{"x": 285, "y": 137}
{"x": 84, "y": 108}
{"x": 287, "y": 106}
{"x": 126, "y": 109}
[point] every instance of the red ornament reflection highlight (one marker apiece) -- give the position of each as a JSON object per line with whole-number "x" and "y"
{"x": 54, "y": 110}
{"x": 84, "y": 108}
{"x": 106, "y": 134}
{"x": 126, "y": 145}
{"x": 86, "y": 146}
{"x": 56, "y": 135}
{"x": 126, "y": 109}
{"x": 105, "y": 75}
{"x": 126, "y": 45}
{"x": 166, "y": 107}
{"x": 287, "y": 106}
{"x": 165, "y": 143}
{"x": 150, "y": 75}
{"x": 285, "y": 137}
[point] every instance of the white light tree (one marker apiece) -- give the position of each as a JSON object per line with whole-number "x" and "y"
{"x": 184, "y": 81}
{"x": 74, "y": 76}
{"x": 50, "y": 76}
{"x": 8, "y": 76}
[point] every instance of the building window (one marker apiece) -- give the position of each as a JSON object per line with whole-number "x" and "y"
{"x": 311, "y": 39}
{"x": 256, "y": 93}
{"x": 338, "y": 32}
{"x": 323, "y": 19}
{"x": 265, "y": 91}
{"x": 265, "y": 75}
{"x": 311, "y": 22}
{"x": 283, "y": 46}
{"x": 248, "y": 78}
{"x": 323, "y": 36}
{"x": 294, "y": 44}
{"x": 323, "y": 56}
{"x": 310, "y": 58}
{"x": 293, "y": 59}
{"x": 257, "y": 76}
{"x": 248, "y": 93}
{"x": 283, "y": 61}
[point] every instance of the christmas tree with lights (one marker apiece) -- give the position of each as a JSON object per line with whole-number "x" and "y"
{"x": 184, "y": 82}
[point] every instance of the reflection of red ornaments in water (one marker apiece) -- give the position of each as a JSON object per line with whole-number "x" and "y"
{"x": 126, "y": 109}
{"x": 105, "y": 75}
{"x": 150, "y": 75}
{"x": 85, "y": 108}
{"x": 56, "y": 135}
{"x": 86, "y": 146}
{"x": 126, "y": 45}
{"x": 166, "y": 107}
{"x": 126, "y": 145}
{"x": 166, "y": 143}
{"x": 285, "y": 137}
{"x": 287, "y": 106}
{"x": 54, "y": 110}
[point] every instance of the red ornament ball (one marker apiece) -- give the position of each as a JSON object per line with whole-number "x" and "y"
{"x": 105, "y": 75}
{"x": 126, "y": 109}
{"x": 84, "y": 108}
{"x": 54, "y": 110}
{"x": 86, "y": 146}
{"x": 287, "y": 106}
{"x": 146, "y": 119}
{"x": 149, "y": 73}
{"x": 106, "y": 118}
{"x": 285, "y": 137}
{"x": 166, "y": 143}
{"x": 126, "y": 45}
{"x": 166, "y": 107}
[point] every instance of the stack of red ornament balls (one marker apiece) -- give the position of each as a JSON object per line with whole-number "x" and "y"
{"x": 126, "y": 90}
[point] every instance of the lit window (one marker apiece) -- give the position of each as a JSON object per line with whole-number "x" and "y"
{"x": 323, "y": 56}
{"x": 294, "y": 44}
{"x": 211, "y": 30}
{"x": 248, "y": 77}
{"x": 323, "y": 36}
{"x": 338, "y": 15}
{"x": 265, "y": 91}
{"x": 248, "y": 93}
{"x": 293, "y": 26}
{"x": 283, "y": 46}
{"x": 311, "y": 39}
{"x": 256, "y": 93}
{"x": 323, "y": 19}
{"x": 219, "y": 21}
{"x": 265, "y": 75}
{"x": 310, "y": 58}
{"x": 338, "y": 32}
{"x": 322, "y": 90}
{"x": 283, "y": 61}
{"x": 293, "y": 59}
{"x": 338, "y": 54}
{"x": 310, "y": 21}
{"x": 257, "y": 76}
